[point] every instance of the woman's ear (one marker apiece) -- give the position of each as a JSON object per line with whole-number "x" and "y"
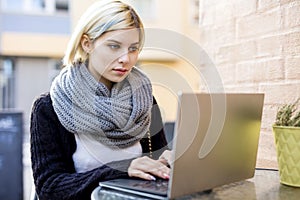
{"x": 86, "y": 43}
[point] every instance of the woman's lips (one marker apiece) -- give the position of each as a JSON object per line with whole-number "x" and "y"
{"x": 120, "y": 71}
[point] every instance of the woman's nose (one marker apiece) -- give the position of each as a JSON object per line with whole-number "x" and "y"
{"x": 124, "y": 58}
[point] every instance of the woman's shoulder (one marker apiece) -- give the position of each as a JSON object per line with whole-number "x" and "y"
{"x": 42, "y": 103}
{"x": 43, "y": 98}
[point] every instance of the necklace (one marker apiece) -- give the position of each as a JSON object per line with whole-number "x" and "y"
{"x": 150, "y": 145}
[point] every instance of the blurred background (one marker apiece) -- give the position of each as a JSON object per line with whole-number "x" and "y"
{"x": 253, "y": 44}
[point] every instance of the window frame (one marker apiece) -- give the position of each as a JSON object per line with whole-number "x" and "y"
{"x": 47, "y": 7}
{"x": 7, "y": 83}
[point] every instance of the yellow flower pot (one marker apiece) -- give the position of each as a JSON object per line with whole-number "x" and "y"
{"x": 287, "y": 140}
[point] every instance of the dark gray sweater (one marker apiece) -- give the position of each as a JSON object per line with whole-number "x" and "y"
{"x": 52, "y": 147}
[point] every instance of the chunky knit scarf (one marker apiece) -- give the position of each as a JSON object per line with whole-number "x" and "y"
{"x": 116, "y": 118}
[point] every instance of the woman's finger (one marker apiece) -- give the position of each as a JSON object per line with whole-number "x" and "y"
{"x": 140, "y": 174}
{"x": 141, "y": 166}
{"x": 165, "y": 158}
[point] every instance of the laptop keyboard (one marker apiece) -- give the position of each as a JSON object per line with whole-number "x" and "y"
{"x": 157, "y": 186}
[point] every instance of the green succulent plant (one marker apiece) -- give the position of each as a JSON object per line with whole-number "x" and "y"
{"x": 288, "y": 115}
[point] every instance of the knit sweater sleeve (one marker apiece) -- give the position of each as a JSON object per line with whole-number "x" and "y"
{"x": 52, "y": 147}
{"x": 158, "y": 138}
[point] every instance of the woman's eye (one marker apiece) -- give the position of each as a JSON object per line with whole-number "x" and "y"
{"x": 133, "y": 49}
{"x": 114, "y": 46}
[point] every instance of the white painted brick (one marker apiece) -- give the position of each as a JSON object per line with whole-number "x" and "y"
{"x": 266, "y": 156}
{"x": 292, "y": 15}
{"x": 277, "y": 93}
{"x": 287, "y": 1}
{"x": 225, "y": 33}
{"x": 293, "y": 68}
{"x": 260, "y": 71}
{"x": 274, "y": 69}
{"x": 208, "y": 16}
{"x": 237, "y": 52}
{"x": 242, "y": 7}
{"x": 267, "y": 4}
{"x": 258, "y": 24}
{"x": 269, "y": 46}
{"x": 291, "y": 44}
{"x": 227, "y": 73}
{"x": 245, "y": 72}
{"x": 256, "y": 46}
{"x": 224, "y": 12}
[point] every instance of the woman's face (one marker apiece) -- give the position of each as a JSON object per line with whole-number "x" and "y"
{"x": 112, "y": 55}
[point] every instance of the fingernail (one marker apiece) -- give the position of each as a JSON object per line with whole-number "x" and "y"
{"x": 152, "y": 178}
{"x": 166, "y": 176}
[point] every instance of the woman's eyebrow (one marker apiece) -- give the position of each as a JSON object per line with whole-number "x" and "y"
{"x": 115, "y": 41}
{"x": 118, "y": 42}
{"x": 135, "y": 43}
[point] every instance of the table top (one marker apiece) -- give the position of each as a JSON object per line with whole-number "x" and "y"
{"x": 265, "y": 185}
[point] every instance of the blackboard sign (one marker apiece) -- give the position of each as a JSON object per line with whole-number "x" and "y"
{"x": 11, "y": 166}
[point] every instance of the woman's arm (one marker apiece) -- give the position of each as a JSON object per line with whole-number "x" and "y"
{"x": 52, "y": 148}
{"x": 146, "y": 167}
{"x": 158, "y": 139}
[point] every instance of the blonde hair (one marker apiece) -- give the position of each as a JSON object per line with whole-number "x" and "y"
{"x": 101, "y": 17}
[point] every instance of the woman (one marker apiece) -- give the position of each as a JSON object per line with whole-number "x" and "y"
{"x": 100, "y": 120}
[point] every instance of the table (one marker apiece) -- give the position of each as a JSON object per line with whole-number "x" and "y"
{"x": 265, "y": 185}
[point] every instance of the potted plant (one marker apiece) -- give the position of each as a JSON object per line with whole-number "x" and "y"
{"x": 286, "y": 131}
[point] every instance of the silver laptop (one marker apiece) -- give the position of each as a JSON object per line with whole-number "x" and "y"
{"x": 215, "y": 143}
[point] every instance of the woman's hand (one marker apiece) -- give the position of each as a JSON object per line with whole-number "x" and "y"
{"x": 147, "y": 168}
{"x": 165, "y": 158}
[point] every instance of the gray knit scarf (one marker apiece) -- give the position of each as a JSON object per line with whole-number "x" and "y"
{"x": 116, "y": 118}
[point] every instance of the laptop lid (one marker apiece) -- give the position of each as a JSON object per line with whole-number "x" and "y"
{"x": 215, "y": 143}
{"x": 216, "y": 140}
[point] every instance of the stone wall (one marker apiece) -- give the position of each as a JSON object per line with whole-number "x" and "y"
{"x": 255, "y": 45}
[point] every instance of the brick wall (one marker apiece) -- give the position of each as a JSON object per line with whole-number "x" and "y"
{"x": 255, "y": 45}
